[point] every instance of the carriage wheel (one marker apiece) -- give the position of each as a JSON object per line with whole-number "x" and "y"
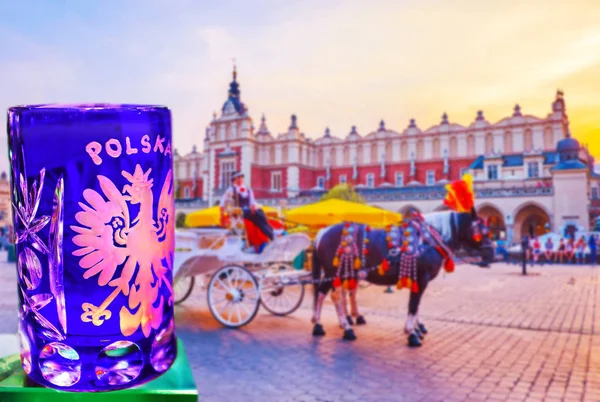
{"x": 183, "y": 289}
{"x": 233, "y": 296}
{"x": 281, "y": 299}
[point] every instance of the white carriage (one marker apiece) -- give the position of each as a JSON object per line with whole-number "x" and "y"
{"x": 238, "y": 282}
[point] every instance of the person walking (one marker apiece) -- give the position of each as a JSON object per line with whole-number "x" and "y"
{"x": 537, "y": 249}
{"x": 580, "y": 250}
{"x": 501, "y": 247}
{"x": 549, "y": 250}
{"x": 524, "y": 252}
{"x": 560, "y": 254}
{"x": 592, "y": 244}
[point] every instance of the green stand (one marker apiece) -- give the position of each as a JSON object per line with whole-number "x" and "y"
{"x": 176, "y": 385}
{"x": 11, "y": 257}
{"x": 298, "y": 262}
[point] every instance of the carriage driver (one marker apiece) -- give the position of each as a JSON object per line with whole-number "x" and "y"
{"x": 243, "y": 197}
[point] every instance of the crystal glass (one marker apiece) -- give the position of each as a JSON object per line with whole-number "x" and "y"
{"x": 93, "y": 209}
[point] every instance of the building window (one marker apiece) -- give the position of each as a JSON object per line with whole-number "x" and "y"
{"x": 370, "y": 180}
{"x": 276, "y": 181}
{"x": 399, "y": 179}
{"x": 186, "y": 192}
{"x": 595, "y": 193}
{"x": 227, "y": 169}
{"x": 321, "y": 182}
{"x": 430, "y": 177}
{"x": 492, "y": 172}
{"x": 533, "y": 170}
{"x": 343, "y": 179}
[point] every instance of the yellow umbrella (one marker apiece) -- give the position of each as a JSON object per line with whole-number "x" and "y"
{"x": 212, "y": 216}
{"x": 334, "y": 211}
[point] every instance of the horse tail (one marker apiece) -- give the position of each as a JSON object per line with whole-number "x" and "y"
{"x": 316, "y": 274}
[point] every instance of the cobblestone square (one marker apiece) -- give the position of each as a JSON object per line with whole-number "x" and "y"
{"x": 494, "y": 335}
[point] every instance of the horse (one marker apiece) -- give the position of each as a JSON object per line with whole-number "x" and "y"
{"x": 456, "y": 230}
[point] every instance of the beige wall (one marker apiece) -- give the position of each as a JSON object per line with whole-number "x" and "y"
{"x": 571, "y": 198}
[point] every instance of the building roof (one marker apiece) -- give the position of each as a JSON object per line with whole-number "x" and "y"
{"x": 477, "y": 163}
{"x": 550, "y": 158}
{"x": 567, "y": 144}
{"x": 234, "y": 96}
{"x": 570, "y": 165}
{"x": 512, "y": 160}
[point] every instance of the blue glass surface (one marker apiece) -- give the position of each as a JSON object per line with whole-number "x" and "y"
{"x": 93, "y": 209}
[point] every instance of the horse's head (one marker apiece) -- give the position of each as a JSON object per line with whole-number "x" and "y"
{"x": 475, "y": 236}
{"x": 473, "y": 233}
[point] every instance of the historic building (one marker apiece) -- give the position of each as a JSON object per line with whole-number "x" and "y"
{"x": 5, "y": 205}
{"x": 525, "y": 181}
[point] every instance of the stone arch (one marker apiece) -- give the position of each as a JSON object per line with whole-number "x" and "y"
{"x": 420, "y": 150}
{"x": 530, "y": 218}
{"x": 528, "y": 140}
{"x": 406, "y": 211}
{"x": 346, "y": 153}
{"x": 470, "y": 145}
{"x": 453, "y": 147}
{"x": 548, "y": 138}
{"x": 436, "y": 148}
{"x": 494, "y": 217}
{"x": 489, "y": 143}
{"x": 403, "y": 151}
{"x": 508, "y": 142}
{"x": 284, "y": 154}
{"x": 374, "y": 156}
{"x": 389, "y": 152}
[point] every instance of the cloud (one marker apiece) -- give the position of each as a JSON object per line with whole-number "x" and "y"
{"x": 334, "y": 63}
{"x": 36, "y": 74}
{"x": 217, "y": 41}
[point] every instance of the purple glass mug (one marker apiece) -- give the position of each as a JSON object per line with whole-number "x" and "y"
{"x": 93, "y": 209}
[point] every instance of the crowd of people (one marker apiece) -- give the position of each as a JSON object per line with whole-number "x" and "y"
{"x": 568, "y": 250}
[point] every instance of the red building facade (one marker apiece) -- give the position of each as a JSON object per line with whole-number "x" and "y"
{"x": 289, "y": 163}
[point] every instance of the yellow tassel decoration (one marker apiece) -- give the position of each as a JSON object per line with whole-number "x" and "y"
{"x": 405, "y": 242}
{"x": 406, "y": 233}
{"x": 344, "y": 244}
{"x": 345, "y": 232}
{"x": 345, "y": 284}
{"x": 388, "y": 238}
{"x": 336, "y": 261}
{"x": 399, "y": 285}
{"x": 408, "y": 282}
{"x": 366, "y": 241}
{"x": 380, "y": 271}
{"x": 357, "y": 263}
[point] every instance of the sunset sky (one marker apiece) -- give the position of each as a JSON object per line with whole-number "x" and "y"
{"x": 333, "y": 63}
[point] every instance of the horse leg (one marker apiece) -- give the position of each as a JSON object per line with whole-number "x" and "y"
{"x": 338, "y": 300}
{"x": 316, "y": 319}
{"x": 412, "y": 326}
{"x": 345, "y": 305}
{"x": 421, "y": 327}
{"x": 360, "y": 320}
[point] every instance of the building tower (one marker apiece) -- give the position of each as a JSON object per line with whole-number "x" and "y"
{"x": 228, "y": 144}
{"x": 571, "y": 182}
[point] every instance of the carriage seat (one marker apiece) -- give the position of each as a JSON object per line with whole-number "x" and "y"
{"x": 257, "y": 239}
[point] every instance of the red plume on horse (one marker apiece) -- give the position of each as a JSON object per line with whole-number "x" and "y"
{"x": 413, "y": 252}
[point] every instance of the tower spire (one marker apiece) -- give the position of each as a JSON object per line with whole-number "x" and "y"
{"x": 234, "y": 74}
